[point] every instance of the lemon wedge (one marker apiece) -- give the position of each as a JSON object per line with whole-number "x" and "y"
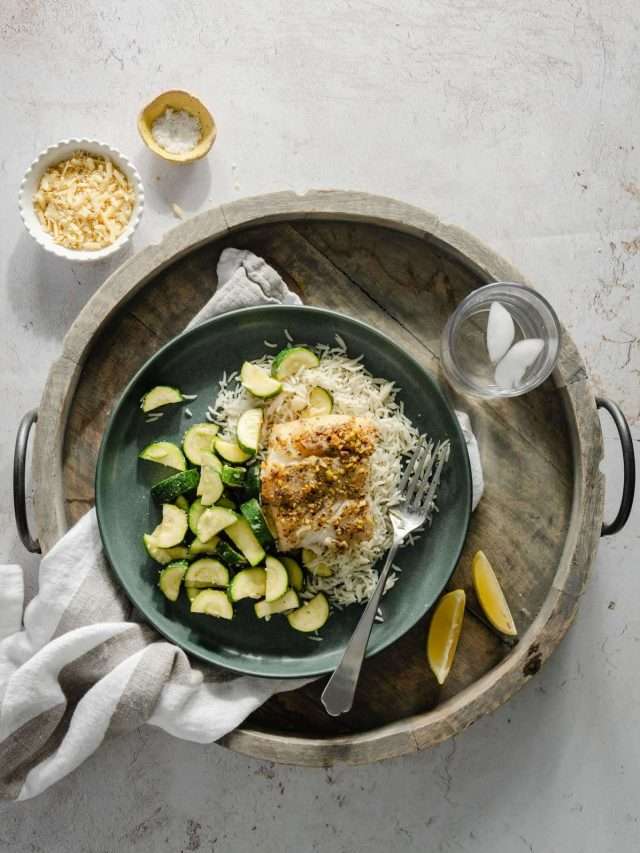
{"x": 491, "y": 596}
{"x": 444, "y": 633}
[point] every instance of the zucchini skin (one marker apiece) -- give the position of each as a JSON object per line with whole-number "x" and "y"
{"x": 230, "y": 556}
{"x": 253, "y": 513}
{"x": 172, "y": 487}
{"x": 233, "y": 476}
{"x": 252, "y": 481}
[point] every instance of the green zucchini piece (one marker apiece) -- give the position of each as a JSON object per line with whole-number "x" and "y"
{"x": 212, "y": 602}
{"x": 177, "y": 484}
{"x": 164, "y": 556}
{"x": 249, "y": 583}
{"x": 164, "y": 453}
{"x": 198, "y": 547}
{"x": 277, "y": 579}
{"x": 245, "y": 541}
{"x": 213, "y": 520}
{"x": 296, "y": 577}
{"x": 229, "y": 555}
{"x": 161, "y": 395}
{"x": 227, "y": 502}
{"x": 172, "y": 528}
{"x": 170, "y": 579}
{"x": 290, "y": 360}
{"x": 252, "y": 512}
{"x": 210, "y": 486}
{"x": 313, "y": 564}
{"x": 288, "y": 601}
{"x": 311, "y": 616}
{"x": 195, "y": 511}
{"x": 258, "y": 382}
{"x": 232, "y": 476}
{"x": 182, "y": 503}
{"x": 320, "y": 403}
{"x": 231, "y": 451}
{"x": 198, "y": 439}
{"x": 252, "y": 480}
{"x": 210, "y": 460}
{"x": 206, "y": 572}
{"x": 192, "y": 591}
{"x": 248, "y": 430}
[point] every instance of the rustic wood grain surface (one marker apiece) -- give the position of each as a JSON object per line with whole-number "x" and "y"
{"x": 405, "y": 287}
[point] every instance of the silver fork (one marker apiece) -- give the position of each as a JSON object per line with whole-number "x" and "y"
{"x": 416, "y": 489}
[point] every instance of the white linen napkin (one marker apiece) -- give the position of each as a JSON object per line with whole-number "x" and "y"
{"x": 76, "y": 668}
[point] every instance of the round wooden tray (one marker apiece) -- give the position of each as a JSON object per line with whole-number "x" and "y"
{"x": 401, "y": 270}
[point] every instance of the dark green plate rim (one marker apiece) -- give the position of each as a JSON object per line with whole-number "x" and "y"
{"x": 250, "y": 666}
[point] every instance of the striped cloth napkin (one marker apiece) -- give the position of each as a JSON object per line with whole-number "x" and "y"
{"x": 77, "y": 669}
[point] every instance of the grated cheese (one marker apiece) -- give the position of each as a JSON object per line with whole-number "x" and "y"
{"x": 84, "y": 202}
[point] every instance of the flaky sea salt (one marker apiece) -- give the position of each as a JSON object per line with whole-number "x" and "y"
{"x": 177, "y": 131}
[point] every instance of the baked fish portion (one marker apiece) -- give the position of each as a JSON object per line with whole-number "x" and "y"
{"x": 315, "y": 481}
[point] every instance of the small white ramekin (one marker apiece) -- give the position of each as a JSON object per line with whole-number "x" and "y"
{"x": 29, "y": 187}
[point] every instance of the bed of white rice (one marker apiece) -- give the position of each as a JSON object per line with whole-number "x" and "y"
{"x": 355, "y": 392}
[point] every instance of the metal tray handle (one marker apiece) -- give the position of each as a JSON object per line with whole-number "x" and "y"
{"x": 629, "y": 467}
{"x": 19, "y": 485}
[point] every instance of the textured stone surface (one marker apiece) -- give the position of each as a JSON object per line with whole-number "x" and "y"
{"x": 517, "y": 121}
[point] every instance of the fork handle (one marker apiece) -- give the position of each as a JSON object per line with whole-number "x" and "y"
{"x": 337, "y": 696}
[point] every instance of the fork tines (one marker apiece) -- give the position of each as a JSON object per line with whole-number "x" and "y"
{"x": 417, "y": 485}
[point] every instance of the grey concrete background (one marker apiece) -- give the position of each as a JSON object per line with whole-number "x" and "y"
{"x": 518, "y": 121}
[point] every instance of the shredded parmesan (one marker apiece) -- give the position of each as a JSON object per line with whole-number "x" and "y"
{"x": 355, "y": 392}
{"x": 84, "y": 202}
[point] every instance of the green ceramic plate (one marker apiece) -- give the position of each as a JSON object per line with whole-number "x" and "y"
{"x": 194, "y": 362}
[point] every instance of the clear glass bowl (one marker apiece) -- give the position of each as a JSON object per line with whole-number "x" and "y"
{"x": 465, "y": 359}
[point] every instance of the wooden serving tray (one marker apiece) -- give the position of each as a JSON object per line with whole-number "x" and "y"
{"x": 401, "y": 270}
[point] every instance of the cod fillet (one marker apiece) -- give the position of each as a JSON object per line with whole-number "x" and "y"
{"x": 315, "y": 481}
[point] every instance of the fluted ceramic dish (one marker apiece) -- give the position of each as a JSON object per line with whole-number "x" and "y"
{"x": 54, "y": 154}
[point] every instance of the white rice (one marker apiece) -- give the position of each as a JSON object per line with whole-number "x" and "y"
{"x": 355, "y": 392}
